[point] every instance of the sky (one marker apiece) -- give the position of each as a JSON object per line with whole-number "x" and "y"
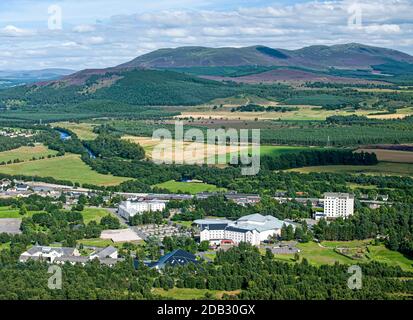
{"x": 38, "y": 34}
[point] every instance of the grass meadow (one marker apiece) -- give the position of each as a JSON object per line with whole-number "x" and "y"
{"x": 69, "y": 167}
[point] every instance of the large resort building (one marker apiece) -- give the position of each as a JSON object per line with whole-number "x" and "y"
{"x": 254, "y": 229}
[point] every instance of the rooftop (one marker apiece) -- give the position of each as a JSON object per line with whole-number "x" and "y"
{"x": 339, "y": 195}
{"x": 47, "y": 250}
{"x": 176, "y": 257}
{"x": 260, "y": 223}
{"x": 104, "y": 253}
{"x": 250, "y": 222}
{"x": 10, "y": 225}
{"x": 212, "y": 221}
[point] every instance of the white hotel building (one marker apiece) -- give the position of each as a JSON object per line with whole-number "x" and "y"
{"x": 338, "y": 205}
{"x": 129, "y": 209}
{"x": 254, "y": 229}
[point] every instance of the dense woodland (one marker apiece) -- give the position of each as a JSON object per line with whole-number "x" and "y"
{"x": 317, "y": 158}
{"x": 107, "y": 146}
{"x": 258, "y": 108}
{"x": 7, "y": 143}
{"x": 241, "y": 268}
{"x": 129, "y": 91}
{"x": 336, "y": 131}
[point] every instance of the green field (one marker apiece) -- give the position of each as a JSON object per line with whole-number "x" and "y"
{"x": 304, "y": 112}
{"x": 13, "y": 213}
{"x": 394, "y": 258}
{"x": 89, "y": 214}
{"x": 69, "y": 167}
{"x": 94, "y": 214}
{"x": 96, "y": 242}
{"x": 188, "y": 187}
{"x": 5, "y": 246}
{"x": 8, "y": 212}
{"x": 319, "y": 256}
{"x": 102, "y": 243}
{"x": 346, "y": 244}
{"x": 186, "y": 224}
{"x": 325, "y": 254}
{"x": 354, "y": 186}
{"x": 84, "y": 131}
{"x": 383, "y": 168}
{"x": 189, "y": 293}
{"x": 278, "y": 150}
{"x": 26, "y": 153}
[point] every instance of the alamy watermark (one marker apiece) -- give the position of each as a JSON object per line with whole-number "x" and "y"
{"x": 54, "y": 22}
{"x": 218, "y": 147}
{"x": 355, "y": 282}
{"x": 55, "y": 280}
{"x": 355, "y": 19}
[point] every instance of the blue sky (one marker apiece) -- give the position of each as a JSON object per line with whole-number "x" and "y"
{"x": 101, "y": 33}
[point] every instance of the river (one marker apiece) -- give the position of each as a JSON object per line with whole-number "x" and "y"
{"x": 66, "y": 136}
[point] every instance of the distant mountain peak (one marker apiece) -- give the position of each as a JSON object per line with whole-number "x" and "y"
{"x": 304, "y": 63}
{"x": 350, "y": 55}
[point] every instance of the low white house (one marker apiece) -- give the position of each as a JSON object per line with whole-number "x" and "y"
{"x": 4, "y": 184}
{"x": 48, "y": 254}
{"x": 129, "y": 209}
{"x": 108, "y": 255}
{"x": 254, "y": 229}
{"x": 22, "y": 187}
{"x": 108, "y": 252}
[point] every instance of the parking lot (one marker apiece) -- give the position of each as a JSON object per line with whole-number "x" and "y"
{"x": 11, "y": 226}
{"x": 287, "y": 247}
{"x": 161, "y": 231}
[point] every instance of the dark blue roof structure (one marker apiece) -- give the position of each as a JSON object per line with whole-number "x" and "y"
{"x": 231, "y": 228}
{"x": 176, "y": 257}
{"x": 217, "y": 226}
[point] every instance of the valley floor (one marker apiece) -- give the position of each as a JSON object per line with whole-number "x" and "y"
{"x": 68, "y": 167}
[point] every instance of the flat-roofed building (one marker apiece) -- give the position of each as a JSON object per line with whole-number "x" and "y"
{"x": 243, "y": 199}
{"x": 338, "y": 205}
{"x": 129, "y": 209}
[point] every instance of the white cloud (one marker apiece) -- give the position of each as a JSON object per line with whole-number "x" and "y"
{"x": 83, "y": 28}
{"x": 120, "y": 37}
{"x": 385, "y": 28}
{"x": 173, "y": 32}
{"x": 69, "y": 44}
{"x": 13, "y": 31}
{"x": 93, "y": 40}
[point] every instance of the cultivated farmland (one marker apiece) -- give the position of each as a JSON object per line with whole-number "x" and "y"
{"x": 69, "y": 167}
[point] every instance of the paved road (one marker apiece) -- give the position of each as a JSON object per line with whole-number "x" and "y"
{"x": 126, "y": 222}
{"x": 114, "y": 211}
{"x": 138, "y": 232}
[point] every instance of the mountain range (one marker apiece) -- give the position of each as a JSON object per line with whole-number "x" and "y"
{"x": 183, "y": 76}
{"x": 351, "y": 56}
{"x": 338, "y": 63}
